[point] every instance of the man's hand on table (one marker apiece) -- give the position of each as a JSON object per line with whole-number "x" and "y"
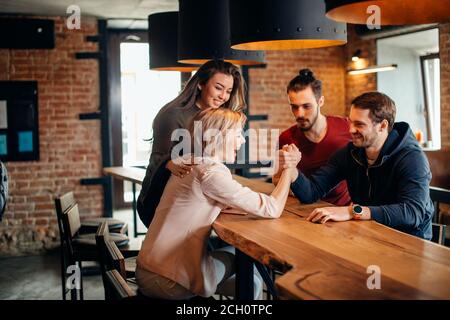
{"x": 322, "y": 215}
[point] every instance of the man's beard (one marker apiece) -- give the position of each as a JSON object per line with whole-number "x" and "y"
{"x": 306, "y": 120}
{"x": 366, "y": 141}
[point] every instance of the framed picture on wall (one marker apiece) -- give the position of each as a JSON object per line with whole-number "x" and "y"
{"x": 19, "y": 121}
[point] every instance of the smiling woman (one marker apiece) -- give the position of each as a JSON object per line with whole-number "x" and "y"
{"x": 216, "y": 84}
{"x": 216, "y": 91}
{"x": 174, "y": 262}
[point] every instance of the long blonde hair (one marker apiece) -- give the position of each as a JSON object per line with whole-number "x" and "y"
{"x": 219, "y": 122}
{"x": 191, "y": 92}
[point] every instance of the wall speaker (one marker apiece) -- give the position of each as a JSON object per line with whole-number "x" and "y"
{"x": 19, "y": 33}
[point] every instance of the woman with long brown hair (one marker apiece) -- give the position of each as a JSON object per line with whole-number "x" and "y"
{"x": 215, "y": 84}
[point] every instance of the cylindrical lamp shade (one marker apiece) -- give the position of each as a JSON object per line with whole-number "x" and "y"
{"x": 391, "y": 12}
{"x": 283, "y": 25}
{"x": 163, "y": 42}
{"x": 204, "y": 34}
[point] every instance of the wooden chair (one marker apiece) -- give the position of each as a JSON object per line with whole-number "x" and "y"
{"x": 67, "y": 200}
{"x": 117, "y": 287}
{"x": 111, "y": 256}
{"x": 438, "y": 196}
{"x": 438, "y": 233}
{"x": 76, "y": 247}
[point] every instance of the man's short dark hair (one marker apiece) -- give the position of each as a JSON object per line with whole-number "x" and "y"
{"x": 381, "y": 107}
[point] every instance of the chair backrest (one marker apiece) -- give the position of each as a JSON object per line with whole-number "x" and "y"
{"x": 62, "y": 204}
{"x": 115, "y": 258}
{"x": 439, "y": 161}
{"x": 110, "y": 257}
{"x": 71, "y": 226}
{"x": 438, "y": 233}
{"x": 101, "y": 237}
{"x": 439, "y": 195}
{"x": 65, "y": 202}
{"x": 117, "y": 286}
{"x": 72, "y": 220}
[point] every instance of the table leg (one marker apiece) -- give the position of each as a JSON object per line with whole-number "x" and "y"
{"x": 244, "y": 276}
{"x": 133, "y": 204}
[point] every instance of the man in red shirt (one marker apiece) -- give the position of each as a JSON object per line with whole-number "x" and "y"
{"x": 317, "y": 136}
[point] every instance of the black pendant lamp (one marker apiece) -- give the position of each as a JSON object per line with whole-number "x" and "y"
{"x": 283, "y": 25}
{"x": 392, "y": 12}
{"x": 204, "y": 34}
{"x": 163, "y": 42}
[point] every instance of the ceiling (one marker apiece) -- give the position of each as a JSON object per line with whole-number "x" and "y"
{"x": 120, "y": 13}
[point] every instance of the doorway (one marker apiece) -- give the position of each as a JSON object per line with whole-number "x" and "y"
{"x": 136, "y": 95}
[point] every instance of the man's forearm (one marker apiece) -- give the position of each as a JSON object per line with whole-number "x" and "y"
{"x": 303, "y": 189}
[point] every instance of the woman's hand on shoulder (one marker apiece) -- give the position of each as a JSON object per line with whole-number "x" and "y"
{"x": 179, "y": 169}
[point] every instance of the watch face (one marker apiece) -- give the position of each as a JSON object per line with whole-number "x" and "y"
{"x": 357, "y": 209}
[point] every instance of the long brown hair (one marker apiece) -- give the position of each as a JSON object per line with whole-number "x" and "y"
{"x": 191, "y": 92}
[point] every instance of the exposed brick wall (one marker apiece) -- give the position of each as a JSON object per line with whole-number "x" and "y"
{"x": 268, "y": 86}
{"x": 69, "y": 148}
{"x": 444, "y": 51}
{"x": 358, "y": 84}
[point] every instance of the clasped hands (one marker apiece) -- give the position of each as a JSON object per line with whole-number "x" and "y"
{"x": 287, "y": 159}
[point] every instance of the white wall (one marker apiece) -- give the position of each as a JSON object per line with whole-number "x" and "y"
{"x": 403, "y": 85}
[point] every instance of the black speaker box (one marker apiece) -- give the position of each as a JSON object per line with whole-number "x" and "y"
{"x": 19, "y": 33}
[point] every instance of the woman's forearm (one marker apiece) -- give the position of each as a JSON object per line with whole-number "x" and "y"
{"x": 281, "y": 191}
{"x": 276, "y": 177}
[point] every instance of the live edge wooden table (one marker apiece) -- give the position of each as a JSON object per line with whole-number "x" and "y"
{"x": 329, "y": 261}
{"x": 336, "y": 260}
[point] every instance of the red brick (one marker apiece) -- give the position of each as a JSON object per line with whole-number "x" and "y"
{"x": 35, "y": 184}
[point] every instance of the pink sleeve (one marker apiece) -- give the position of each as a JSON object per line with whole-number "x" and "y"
{"x": 220, "y": 186}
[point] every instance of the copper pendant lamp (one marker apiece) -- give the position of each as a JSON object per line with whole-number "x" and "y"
{"x": 163, "y": 42}
{"x": 390, "y": 12}
{"x": 282, "y": 25}
{"x": 204, "y": 34}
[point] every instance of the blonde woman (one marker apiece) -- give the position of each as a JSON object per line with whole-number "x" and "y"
{"x": 174, "y": 262}
{"x": 216, "y": 83}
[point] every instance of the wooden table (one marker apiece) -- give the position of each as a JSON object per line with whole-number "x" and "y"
{"x": 135, "y": 176}
{"x": 331, "y": 261}
{"x": 327, "y": 261}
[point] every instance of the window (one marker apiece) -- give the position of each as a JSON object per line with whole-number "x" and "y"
{"x": 415, "y": 84}
{"x": 144, "y": 93}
